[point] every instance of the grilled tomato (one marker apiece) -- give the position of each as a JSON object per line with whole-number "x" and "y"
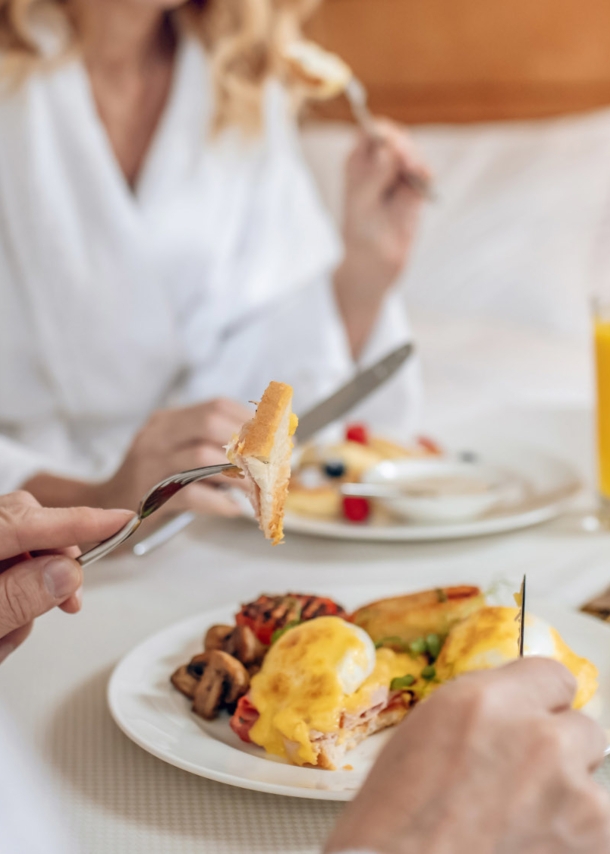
{"x": 268, "y": 615}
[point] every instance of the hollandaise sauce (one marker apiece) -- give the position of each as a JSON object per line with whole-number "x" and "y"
{"x": 314, "y": 678}
{"x": 488, "y": 638}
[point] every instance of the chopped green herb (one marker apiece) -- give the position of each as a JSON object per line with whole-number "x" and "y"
{"x": 277, "y": 634}
{"x": 434, "y": 644}
{"x": 418, "y": 647}
{"x": 400, "y": 683}
{"x": 295, "y": 609}
{"x": 392, "y": 641}
{"x": 442, "y": 596}
{"x": 428, "y": 672}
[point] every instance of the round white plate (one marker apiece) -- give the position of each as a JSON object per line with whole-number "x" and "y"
{"x": 548, "y": 483}
{"x": 154, "y": 715}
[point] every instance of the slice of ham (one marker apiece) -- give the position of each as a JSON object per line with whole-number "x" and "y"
{"x": 244, "y": 718}
{"x": 331, "y": 747}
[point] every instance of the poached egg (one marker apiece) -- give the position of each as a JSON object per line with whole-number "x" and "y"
{"x": 490, "y": 638}
{"x": 314, "y": 677}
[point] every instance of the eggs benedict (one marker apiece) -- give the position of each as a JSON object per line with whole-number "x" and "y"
{"x": 490, "y": 637}
{"x": 323, "y": 688}
{"x": 415, "y": 615}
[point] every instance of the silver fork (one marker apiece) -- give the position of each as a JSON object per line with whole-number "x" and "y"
{"x": 358, "y": 100}
{"x": 154, "y": 498}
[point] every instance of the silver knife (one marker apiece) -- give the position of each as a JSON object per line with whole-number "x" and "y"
{"x": 357, "y": 389}
{"x": 363, "y": 384}
{"x": 164, "y": 533}
{"x": 521, "y": 618}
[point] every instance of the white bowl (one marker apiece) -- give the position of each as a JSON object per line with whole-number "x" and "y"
{"x": 441, "y": 489}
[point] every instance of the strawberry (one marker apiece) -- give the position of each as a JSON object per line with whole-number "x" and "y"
{"x": 356, "y": 509}
{"x": 357, "y": 433}
{"x": 429, "y": 445}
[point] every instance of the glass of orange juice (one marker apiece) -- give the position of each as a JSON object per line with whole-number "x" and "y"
{"x": 602, "y": 366}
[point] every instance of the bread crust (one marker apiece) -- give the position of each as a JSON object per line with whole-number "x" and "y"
{"x": 257, "y": 436}
{"x": 418, "y": 614}
{"x": 262, "y": 450}
{"x": 323, "y": 502}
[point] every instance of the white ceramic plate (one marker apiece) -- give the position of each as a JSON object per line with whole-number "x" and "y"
{"x": 549, "y": 484}
{"x": 154, "y": 715}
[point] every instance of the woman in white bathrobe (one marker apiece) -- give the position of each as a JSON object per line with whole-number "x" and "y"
{"x": 163, "y": 251}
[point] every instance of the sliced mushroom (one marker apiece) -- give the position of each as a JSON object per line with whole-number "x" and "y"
{"x": 217, "y": 637}
{"x": 245, "y": 646}
{"x": 184, "y": 681}
{"x": 224, "y": 681}
{"x": 187, "y": 677}
{"x": 197, "y": 665}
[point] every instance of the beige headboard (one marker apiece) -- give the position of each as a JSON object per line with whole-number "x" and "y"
{"x": 472, "y": 60}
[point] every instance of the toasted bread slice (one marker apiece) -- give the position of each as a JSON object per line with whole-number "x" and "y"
{"x": 323, "y": 502}
{"x": 262, "y": 450}
{"x": 323, "y": 73}
{"x": 417, "y": 614}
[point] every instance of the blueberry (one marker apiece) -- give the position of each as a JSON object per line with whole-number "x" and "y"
{"x": 334, "y": 468}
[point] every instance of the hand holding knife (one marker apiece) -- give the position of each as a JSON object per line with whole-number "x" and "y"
{"x": 521, "y": 619}
{"x": 320, "y": 416}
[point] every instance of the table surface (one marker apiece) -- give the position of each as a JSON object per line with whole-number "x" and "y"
{"x": 116, "y": 798}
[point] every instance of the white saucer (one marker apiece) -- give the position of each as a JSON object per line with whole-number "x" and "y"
{"x": 474, "y": 489}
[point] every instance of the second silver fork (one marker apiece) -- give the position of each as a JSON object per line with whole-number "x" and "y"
{"x": 358, "y": 100}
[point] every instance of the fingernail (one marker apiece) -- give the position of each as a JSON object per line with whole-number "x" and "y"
{"x": 5, "y": 650}
{"x": 61, "y": 577}
{"x": 79, "y": 597}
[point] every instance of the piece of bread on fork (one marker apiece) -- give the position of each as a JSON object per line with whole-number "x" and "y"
{"x": 262, "y": 450}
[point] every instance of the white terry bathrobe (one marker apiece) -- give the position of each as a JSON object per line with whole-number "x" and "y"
{"x": 211, "y": 278}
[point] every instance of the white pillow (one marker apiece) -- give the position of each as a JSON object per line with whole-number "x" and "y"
{"x": 518, "y": 235}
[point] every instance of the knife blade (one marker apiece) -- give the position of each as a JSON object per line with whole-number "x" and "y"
{"x": 164, "y": 533}
{"x": 363, "y": 384}
{"x": 521, "y": 618}
{"x": 324, "y": 413}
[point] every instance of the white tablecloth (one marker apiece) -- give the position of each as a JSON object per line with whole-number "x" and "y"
{"x": 116, "y": 798}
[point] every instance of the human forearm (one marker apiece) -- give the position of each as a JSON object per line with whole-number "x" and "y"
{"x": 358, "y": 303}
{"x": 172, "y": 440}
{"x": 397, "y": 405}
{"x": 381, "y": 215}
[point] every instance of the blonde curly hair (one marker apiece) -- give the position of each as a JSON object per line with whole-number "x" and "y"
{"x": 244, "y": 39}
